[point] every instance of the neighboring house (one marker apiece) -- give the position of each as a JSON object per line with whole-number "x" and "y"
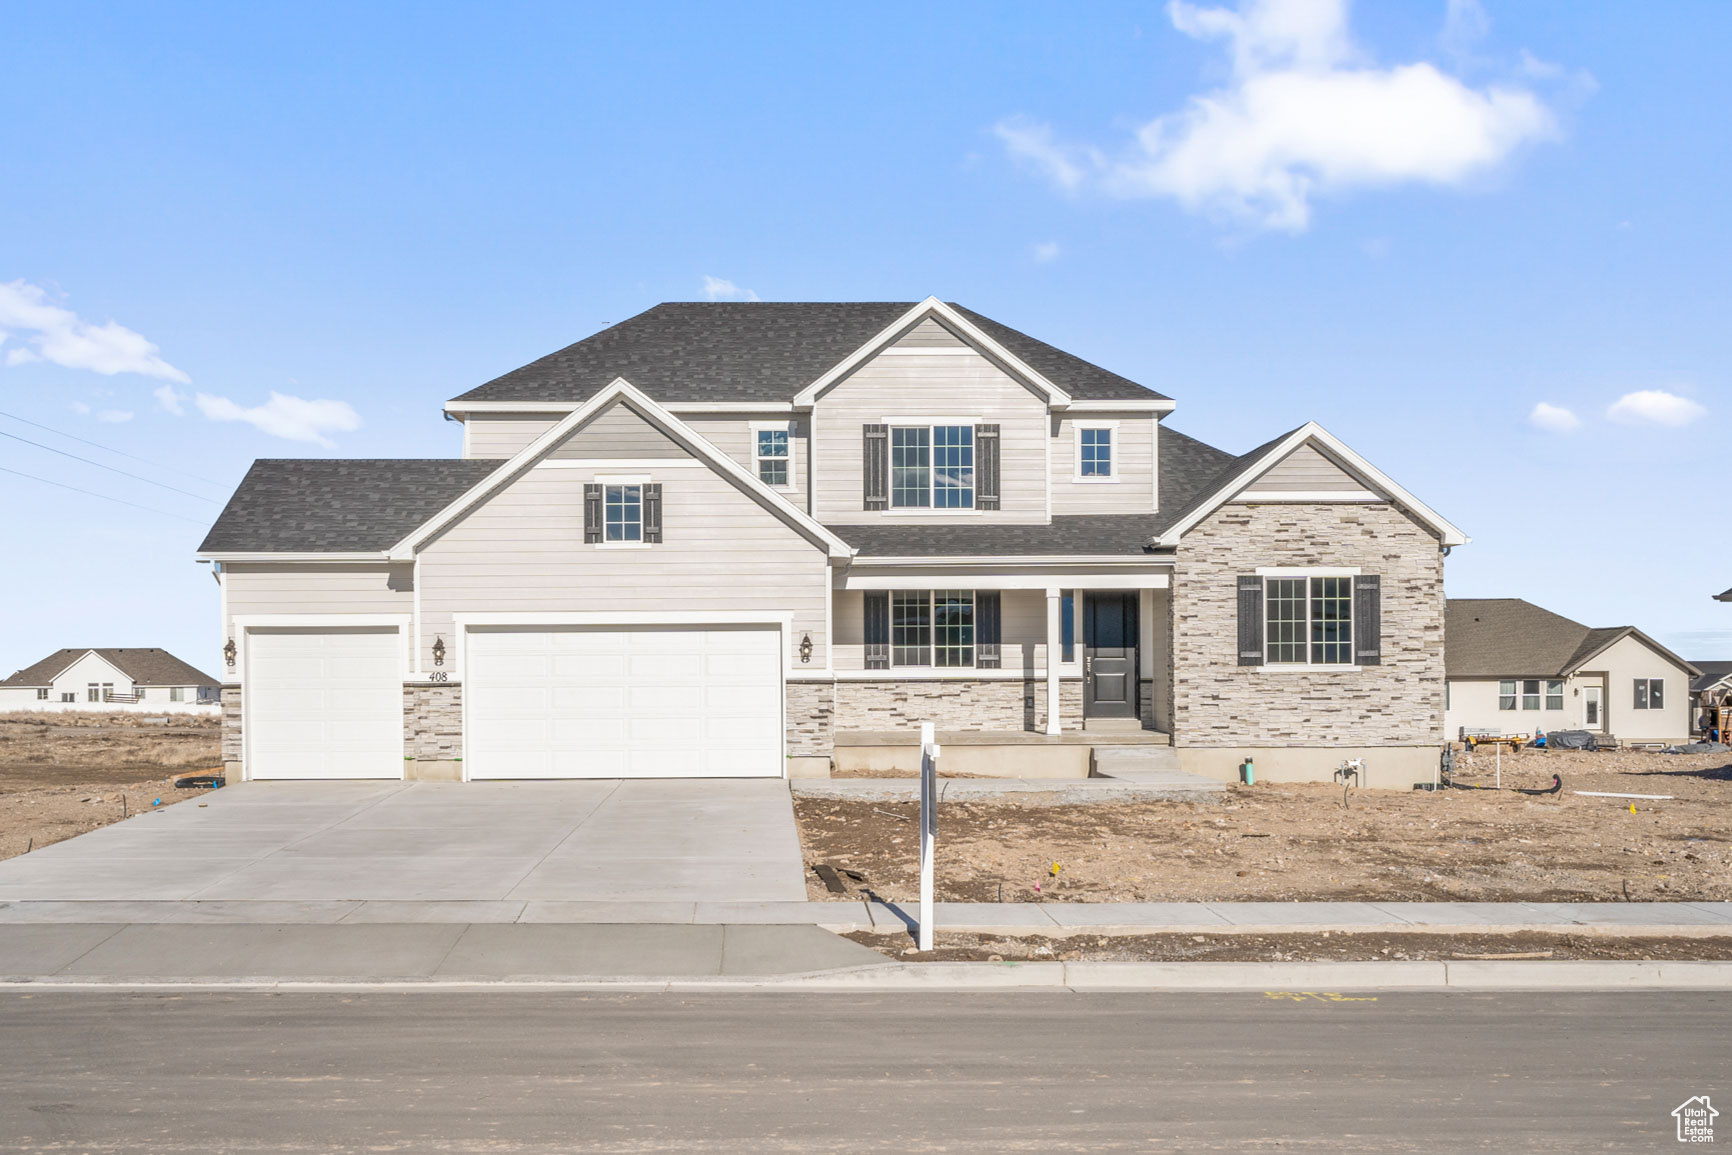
{"x": 732, "y": 539}
{"x": 148, "y": 681}
{"x": 1515, "y": 668}
{"x": 1712, "y": 687}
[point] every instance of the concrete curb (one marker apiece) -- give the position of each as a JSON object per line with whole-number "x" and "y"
{"x": 1286, "y": 979}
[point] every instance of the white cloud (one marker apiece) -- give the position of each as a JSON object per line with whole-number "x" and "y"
{"x": 1554, "y": 418}
{"x": 59, "y": 336}
{"x": 170, "y": 398}
{"x": 291, "y": 418}
{"x": 1655, "y": 407}
{"x": 1304, "y": 115}
{"x": 113, "y": 416}
{"x": 718, "y": 289}
{"x": 1046, "y": 251}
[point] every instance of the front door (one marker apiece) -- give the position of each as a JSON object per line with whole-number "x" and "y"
{"x": 1110, "y": 655}
{"x": 1593, "y": 707}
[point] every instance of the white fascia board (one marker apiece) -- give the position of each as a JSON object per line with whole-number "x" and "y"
{"x": 1157, "y": 405}
{"x": 1048, "y": 561}
{"x": 944, "y": 577}
{"x": 1311, "y": 431}
{"x": 931, "y": 307}
{"x": 1308, "y": 496}
{"x": 459, "y": 409}
{"x": 380, "y": 557}
{"x": 620, "y": 390}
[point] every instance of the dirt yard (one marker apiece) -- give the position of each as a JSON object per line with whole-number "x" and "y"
{"x": 65, "y": 774}
{"x": 1294, "y": 947}
{"x": 1285, "y": 842}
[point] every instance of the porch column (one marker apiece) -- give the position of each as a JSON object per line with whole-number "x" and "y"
{"x": 1054, "y": 650}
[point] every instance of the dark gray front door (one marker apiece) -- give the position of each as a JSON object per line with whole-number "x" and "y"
{"x": 1110, "y": 656}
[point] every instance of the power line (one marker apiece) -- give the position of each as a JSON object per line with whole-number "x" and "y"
{"x": 103, "y": 496}
{"x": 107, "y": 448}
{"x": 110, "y": 468}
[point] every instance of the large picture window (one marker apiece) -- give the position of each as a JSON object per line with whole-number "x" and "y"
{"x": 932, "y": 628}
{"x": 1308, "y": 621}
{"x": 932, "y": 467}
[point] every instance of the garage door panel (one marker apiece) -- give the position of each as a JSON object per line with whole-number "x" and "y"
{"x": 625, "y": 702}
{"x": 324, "y": 704}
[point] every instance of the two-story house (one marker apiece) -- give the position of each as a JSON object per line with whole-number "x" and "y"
{"x": 728, "y": 539}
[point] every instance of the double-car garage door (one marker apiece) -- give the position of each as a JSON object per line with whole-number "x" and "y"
{"x": 577, "y": 702}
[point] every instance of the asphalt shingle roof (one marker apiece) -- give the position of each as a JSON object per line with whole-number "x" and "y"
{"x": 1711, "y": 672}
{"x": 325, "y": 506}
{"x": 1508, "y": 637}
{"x": 698, "y": 351}
{"x": 146, "y": 666}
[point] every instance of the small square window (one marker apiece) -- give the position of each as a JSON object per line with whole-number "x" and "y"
{"x": 42, "y": 694}
{"x": 1094, "y": 452}
{"x": 773, "y": 457}
{"x": 624, "y": 512}
{"x": 1506, "y": 695}
{"x": 69, "y": 696}
{"x": 1650, "y": 694}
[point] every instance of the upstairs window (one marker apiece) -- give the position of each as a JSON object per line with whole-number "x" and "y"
{"x": 932, "y": 467}
{"x": 1650, "y": 694}
{"x": 772, "y": 453}
{"x": 1094, "y": 452}
{"x": 623, "y": 506}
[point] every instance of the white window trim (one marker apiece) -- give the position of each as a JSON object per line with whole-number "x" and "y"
{"x": 1110, "y": 478}
{"x": 932, "y": 633}
{"x": 930, "y": 424}
{"x": 606, "y": 479}
{"x": 1266, "y": 573}
{"x": 787, "y": 427}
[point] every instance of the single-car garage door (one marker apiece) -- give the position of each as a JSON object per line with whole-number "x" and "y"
{"x": 616, "y": 702}
{"x": 324, "y": 703}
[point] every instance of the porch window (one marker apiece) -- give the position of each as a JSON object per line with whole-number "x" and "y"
{"x": 624, "y": 508}
{"x": 1506, "y": 694}
{"x": 1555, "y": 694}
{"x": 1309, "y": 621}
{"x": 932, "y": 628}
{"x": 773, "y": 457}
{"x": 932, "y": 467}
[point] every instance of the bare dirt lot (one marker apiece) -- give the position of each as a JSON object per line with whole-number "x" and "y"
{"x": 1294, "y": 947}
{"x": 64, "y": 774}
{"x": 1286, "y": 842}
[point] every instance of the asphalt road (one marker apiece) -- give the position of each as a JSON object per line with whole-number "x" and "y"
{"x": 514, "y": 1071}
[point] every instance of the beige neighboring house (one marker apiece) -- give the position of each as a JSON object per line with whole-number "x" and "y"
{"x": 763, "y": 539}
{"x": 1515, "y": 668}
{"x": 147, "y": 680}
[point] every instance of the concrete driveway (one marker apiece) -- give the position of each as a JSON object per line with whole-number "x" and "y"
{"x": 631, "y": 842}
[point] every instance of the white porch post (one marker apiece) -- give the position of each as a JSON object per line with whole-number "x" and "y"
{"x": 1054, "y": 650}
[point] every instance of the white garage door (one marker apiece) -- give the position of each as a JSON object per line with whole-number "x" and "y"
{"x": 324, "y": 704}
{"x": 643, "y": 702}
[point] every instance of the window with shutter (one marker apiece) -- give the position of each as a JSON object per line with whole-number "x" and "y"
{"x": 591, "y": 513}
{"x": 875, "y": 466}
{"x": 1368, "y": 619}
{"x": 986, "y": 467}
{"x": 1250, "y": 620}
{"x": 877, "y": 629}
{"x": 652, "y": 512}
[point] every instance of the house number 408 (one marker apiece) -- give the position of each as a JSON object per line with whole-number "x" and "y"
{"x": 439, "y": 676}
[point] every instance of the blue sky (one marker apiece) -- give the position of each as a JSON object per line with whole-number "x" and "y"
{"x": 1412, "y": 223}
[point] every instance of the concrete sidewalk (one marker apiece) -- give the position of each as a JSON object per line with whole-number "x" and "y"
{"x": 1055, "y": 919}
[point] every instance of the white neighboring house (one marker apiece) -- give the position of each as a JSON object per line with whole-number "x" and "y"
{"x": 1514, "y": 668}
{"x": 148, "y": 681}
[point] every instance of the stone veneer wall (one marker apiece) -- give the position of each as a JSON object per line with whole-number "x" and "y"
{"x": 811, "y": 713}
{"x": 231, "y": 742}
{"x": 433, "y": 721}
{"x": 894, "y": 704}
{"x": 1217, "y": 702}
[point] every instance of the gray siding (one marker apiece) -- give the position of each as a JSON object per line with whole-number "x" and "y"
{"x": 617, "y": 432}
{"x": 504, "y": 436}
{"x": 915, "y": 387}
{"x": 929, "y": 334}
{"x": 280, "y": 588}
{"x": 1134, "y": 448}
{"x": 1305, "y": 470}
{"x": 523, "y": 551}
{"x": 732, "y": 434}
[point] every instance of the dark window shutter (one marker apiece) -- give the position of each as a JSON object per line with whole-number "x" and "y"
{"x": 591, "y": 512}
{"x": 1250, "y": 620}
{"x": 986, "y": 467}
{"x": 987, "y": 629}
{"x": 652, "y": 512}
{"x": 1368, "y": 620}
{"x": 875, "y": 466}
{"x": 877, "y": 629}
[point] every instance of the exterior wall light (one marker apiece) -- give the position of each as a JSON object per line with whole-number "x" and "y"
{"x": 806, "y": 649}
{"x": 438, "y": 651}
{"x": 229, "y": 652}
